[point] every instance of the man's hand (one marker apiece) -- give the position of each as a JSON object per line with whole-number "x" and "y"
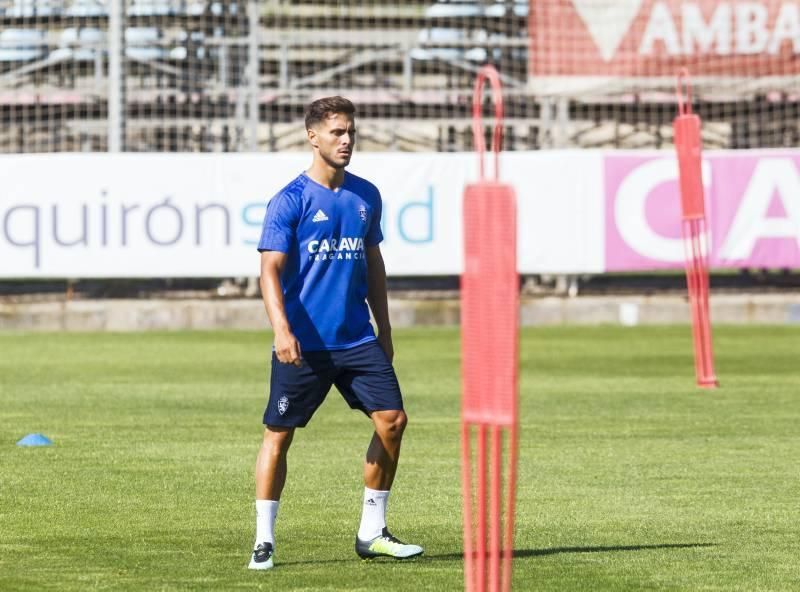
{"x": 287, "y": 349}
{"x": 385, "y": 341}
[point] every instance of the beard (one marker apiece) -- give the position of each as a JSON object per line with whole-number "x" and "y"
{"x": 336, "y": 160}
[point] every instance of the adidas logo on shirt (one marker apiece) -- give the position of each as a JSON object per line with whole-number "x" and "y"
{"x": 319, "y": 216}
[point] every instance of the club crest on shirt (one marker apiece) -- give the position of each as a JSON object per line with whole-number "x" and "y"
{"x": 283, "y": 404}
{"x": 362, "y": 213}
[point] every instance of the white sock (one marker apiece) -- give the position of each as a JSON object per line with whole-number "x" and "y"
{"x": 373, "y": 514}
{"x": 266, "y": 512}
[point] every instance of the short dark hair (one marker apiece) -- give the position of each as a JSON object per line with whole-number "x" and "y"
{"x": 320, "y": 109}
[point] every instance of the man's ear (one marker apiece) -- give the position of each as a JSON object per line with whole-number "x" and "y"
{"x": 312, "y": 137}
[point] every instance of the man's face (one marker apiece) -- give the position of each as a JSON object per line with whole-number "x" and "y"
{"x": 335, "y": 138}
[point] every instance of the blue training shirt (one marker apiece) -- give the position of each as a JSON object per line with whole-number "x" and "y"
{"x": 325, "y": 233}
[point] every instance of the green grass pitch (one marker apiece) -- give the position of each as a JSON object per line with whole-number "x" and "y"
{"x": 630, "y": 478}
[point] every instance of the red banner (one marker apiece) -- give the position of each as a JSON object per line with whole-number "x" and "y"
{"x": 654, "y": 38}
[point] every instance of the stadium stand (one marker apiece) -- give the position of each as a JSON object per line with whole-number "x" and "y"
{"x": 226, "y": 75}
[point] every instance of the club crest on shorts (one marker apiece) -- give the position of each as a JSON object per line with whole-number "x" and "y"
{"x": 362, "y": 213}
{"x": 283, "y": 404}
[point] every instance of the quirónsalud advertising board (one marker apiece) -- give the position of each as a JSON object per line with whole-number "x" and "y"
{"x": 174, "y": 215}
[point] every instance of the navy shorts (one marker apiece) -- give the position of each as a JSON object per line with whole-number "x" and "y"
{"x": 362, "y": 374}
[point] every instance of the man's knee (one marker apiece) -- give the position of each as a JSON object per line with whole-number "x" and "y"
{"x": 277, "y": 440}
{"x": 391, "y": 423}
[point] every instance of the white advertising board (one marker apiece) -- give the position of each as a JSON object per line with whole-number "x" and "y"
{"x": 157, "y": 215}
{"x": 189, "y": 215}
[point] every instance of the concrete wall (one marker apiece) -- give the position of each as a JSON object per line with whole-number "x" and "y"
{"x": 144, "y": 315}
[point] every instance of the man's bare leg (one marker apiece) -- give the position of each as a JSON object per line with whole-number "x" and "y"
{"x": 384, "y": 449}
{"x": 271, "y": 463}
{"x": 270, "y": 479}
{"x": 374, "y": 539}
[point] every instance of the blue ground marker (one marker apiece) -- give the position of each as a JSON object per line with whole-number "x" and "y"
{"x": 35, "y": 440}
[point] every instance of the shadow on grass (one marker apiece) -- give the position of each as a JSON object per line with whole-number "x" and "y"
{"x": 519, "y": 553}
{"x": 559, "y": 550}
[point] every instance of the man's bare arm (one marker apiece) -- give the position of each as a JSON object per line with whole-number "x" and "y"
{"x": 378, "y": 299}
{"x": 287, "y": 348}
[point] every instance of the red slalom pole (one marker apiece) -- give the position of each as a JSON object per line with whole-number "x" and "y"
{"x": 695, "y": 236}
{"x": 481, "y": 533}
{"x": 490, "y": 360}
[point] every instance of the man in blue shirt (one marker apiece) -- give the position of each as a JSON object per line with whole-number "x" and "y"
{"x": 320, "y": 265}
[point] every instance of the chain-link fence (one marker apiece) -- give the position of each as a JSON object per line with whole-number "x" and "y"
{"x": 233, "y": 75}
